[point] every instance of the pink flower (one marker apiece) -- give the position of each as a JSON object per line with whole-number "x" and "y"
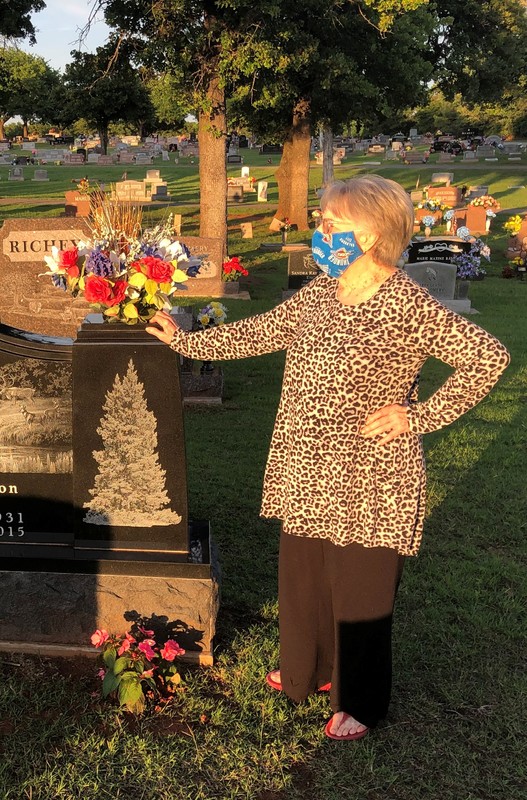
{"x": 128, "y": 640}
{"x": 101, "y": 673}
{"x": 146, "y": 633}
{"x": 171, "y": 650}
{"x": 147, "y": 673}
{"x": 99, "y": 638}
{"x": 146, "y": 648}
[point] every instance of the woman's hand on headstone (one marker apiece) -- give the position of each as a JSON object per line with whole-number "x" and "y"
{"x": 388, "y": 422}
{"x": 167, "y": 326}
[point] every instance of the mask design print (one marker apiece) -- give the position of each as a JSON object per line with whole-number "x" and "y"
{"x": 333, "y": 253}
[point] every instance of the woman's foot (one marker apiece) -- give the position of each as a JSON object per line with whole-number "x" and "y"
{"x": 273, "y": 680}
{"x": 344, "y": 727}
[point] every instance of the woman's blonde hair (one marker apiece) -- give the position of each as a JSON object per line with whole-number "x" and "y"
{"x": 381, "y": 205}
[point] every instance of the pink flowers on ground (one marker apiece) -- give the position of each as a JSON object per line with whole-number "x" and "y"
{"x": 99, "y": 638}
{"x": 146, "y": 648}
{"x": 136, "y": 670}
{"x": 171, "y": 650}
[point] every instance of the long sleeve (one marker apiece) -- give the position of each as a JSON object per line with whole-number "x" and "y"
{"x": 478, "y": 359}
{"x": 253, "y": 336}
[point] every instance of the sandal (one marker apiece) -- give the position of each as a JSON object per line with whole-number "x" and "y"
{"x": 347, "y": 737}
{"x": 274, "y": 684}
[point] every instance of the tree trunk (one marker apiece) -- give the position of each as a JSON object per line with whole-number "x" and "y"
{"x": 25, "y": 133}
{"x": 212, "y": 130}
{"x": 293, "y": 173}
{"x": 2, "y": 128}
{"x": 328, "y": 175}
{"x": 102, "y": 130}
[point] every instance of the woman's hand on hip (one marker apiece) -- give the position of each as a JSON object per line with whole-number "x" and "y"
{"x": 166, "y": 328}
{"x": 388, "y": 422}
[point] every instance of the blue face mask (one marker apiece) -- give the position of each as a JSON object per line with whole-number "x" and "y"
{"x": 334, "y": 252}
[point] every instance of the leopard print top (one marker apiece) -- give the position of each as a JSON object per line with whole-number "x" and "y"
{"x": 343, "y": 362}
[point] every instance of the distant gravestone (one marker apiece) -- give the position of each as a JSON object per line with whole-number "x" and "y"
{"x": 234, "y": 158}
{"x": 247, "y": 230}
{"x": 153, "y": 175}
{"x": 93, "y": 158}
{"x": 470, "y": 155}
{"x": 476, "y": 191}
{"x": 485, "y": 151}
{"x": 245, "y": 172}
{"x": 16, "y": 174}
{"x": 234, "y": 194}
{"x": 41, "y": 175}
{"x": 161, "y": 192}
{"x": 177, "y": 222}
{"x": 436, "y": 248}
{"x": 143, "y": 158}
{"x": 106, "y": 161}
{"x": 301, "y": 269}
{"x": 472, "y": 217}
{"x": 440, "y": 280}
{"x": 443, "y": 177}
{"x": 438, "y": 277}
{"x": 126, "y": 158}
{"x": 448, "y": 195}
{"x": 262, "y": 191}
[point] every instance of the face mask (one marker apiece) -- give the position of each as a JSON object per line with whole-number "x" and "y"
{"x": 334, "y": 252}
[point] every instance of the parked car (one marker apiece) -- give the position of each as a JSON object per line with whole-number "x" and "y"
{"x": 446, "y": 144}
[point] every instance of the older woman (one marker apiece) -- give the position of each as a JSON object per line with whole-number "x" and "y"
{"x": 346, "y": 472}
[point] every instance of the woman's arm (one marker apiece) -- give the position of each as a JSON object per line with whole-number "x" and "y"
{"x": 478, "y": 358}
{"x": 263, "y": 333}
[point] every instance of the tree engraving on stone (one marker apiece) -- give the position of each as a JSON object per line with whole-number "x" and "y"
{"x": 130, "y": 484}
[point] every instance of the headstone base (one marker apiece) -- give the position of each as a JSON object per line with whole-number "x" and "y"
{"x": 181, "y": 599}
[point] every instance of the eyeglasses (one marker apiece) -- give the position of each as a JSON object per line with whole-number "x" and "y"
{"x": 331, "y": 226}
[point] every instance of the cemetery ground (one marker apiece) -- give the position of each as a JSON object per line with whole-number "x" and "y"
{"x": 456, "y": 728}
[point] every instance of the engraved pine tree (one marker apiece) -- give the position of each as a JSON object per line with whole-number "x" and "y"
{"x": 130, "y": 484}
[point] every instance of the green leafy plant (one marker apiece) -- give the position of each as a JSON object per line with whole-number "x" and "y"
{"x": 136, "y": 670}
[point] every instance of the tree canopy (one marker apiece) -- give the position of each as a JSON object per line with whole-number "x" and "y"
{"x": 15, "y": 18}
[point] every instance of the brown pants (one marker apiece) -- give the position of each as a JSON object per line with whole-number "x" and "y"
{"x": 336, "y": 605}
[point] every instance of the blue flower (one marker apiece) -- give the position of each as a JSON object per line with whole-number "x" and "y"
{"x": 98, "y": 264}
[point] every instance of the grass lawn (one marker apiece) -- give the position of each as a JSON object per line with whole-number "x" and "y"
{"x": 456, "y": 728}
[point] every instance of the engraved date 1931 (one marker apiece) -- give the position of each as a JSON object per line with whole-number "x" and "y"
{"x": 11, "y": 524}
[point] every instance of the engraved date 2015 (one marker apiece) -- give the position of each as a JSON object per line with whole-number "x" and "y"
{"x": 11, "y": 524}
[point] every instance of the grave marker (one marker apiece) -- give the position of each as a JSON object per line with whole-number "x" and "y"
{"x": 79, "y": 555}
{"x": 40, "y": 175}
{"x": 262, "y": 191}
{"x": 301, "y": 269}
{"x": 448, "y": 195}
{"x": 436, "y": 248}
{"x": 247, "y": 230}
{"x": 16, "y": 174}
{"x": 440, "y": 280}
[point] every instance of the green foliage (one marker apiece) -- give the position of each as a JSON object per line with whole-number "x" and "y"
{"x": 15, "y": 18}
{"x": 104, "y": 87}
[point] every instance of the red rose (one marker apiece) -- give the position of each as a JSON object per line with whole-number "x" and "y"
{"x": 68, "y": 261}
{"x": 97, "y": 290}
{"x": 227, "y": 268}
{"x": 118, "y": 293}
{"x": 156, "y": 269}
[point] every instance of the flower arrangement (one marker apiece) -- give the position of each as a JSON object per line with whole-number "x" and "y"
{"x": 428, "y": 221}
{"x": 286, "y": 225}
{"x": 123, "y": 272}
{"x": 316, "y": 214}
{"x": 232, "y": 269}
{"x": 513, "y": 225}
{"x": 486, "y": 201}
{"x": 469, "y": 264}
{"x": 83, "y": 186}
{"x": 433, "y": 205}
{"x": 210, "y": 315}
{"x": 137, "y": 669}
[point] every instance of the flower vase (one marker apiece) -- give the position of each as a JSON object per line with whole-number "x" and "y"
{"x": 231, "y": 287}
{"x": 461, "y": 289}
{"x": 428, "y": 231}
{"x": 448, "y": 225}
{"x": 284, "y": 237}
